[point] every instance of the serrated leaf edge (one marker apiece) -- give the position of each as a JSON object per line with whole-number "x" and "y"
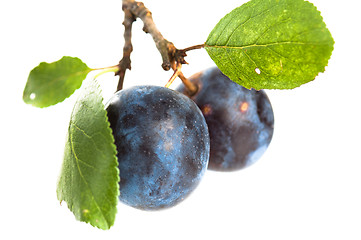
{"x": 208, "y": 46}
{"x": 59, "y": 194}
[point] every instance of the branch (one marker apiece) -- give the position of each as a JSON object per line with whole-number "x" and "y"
{"x": 166, "y": 48}
{"x": 171, "y": 56}
{"x": 125, "y": 63}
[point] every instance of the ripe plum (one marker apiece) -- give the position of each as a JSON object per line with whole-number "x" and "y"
{"x": 240, "y": 121}
{"x": 162, "y": 143}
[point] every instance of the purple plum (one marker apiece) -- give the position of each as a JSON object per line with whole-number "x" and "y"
{"x": 240, "y": 121}
{"x": 162, "y": 142}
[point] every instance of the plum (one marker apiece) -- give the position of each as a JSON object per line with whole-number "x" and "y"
{"x": 162, "y": 145}
{"x": 240, "y": 121}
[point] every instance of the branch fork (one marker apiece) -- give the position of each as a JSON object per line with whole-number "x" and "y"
{"x": 171, "y": 56}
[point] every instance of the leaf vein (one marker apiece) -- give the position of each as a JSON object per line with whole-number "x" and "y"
{"x": 219, "y": 35}
{"x": 240, "y": 25}
{"x": 277, "y": 23}
{"x": 77, "y": 160}
{"x": 251, "y": 17}
{"x": 254, "y": 62}
{"x": 264, "y": 45}
{"x": 63, "y": 78}
{"x": 81, "y": 130}
{"x": 237, "y": 68}
{"x": 90, "y": 137}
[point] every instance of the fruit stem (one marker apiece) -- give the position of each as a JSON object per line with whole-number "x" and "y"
{"x": 176, "y": 73}
{"x": 191, "y": 87}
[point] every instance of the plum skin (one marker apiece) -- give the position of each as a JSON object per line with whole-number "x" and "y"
{"x": 240, "y": 121}
{"x": 162, "y": 145}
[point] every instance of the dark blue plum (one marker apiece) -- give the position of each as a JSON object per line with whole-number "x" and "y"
{"x": 240, "y": 121}
{"x": 163, "y": 145}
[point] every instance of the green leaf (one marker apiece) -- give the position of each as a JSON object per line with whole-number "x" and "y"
{"x": 89, "y": 177}
{"x": 271, "y": 44}
{"x": 51, "y": 83}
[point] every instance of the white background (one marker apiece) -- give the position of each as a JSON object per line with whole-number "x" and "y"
{"x": 306, "y": 186}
